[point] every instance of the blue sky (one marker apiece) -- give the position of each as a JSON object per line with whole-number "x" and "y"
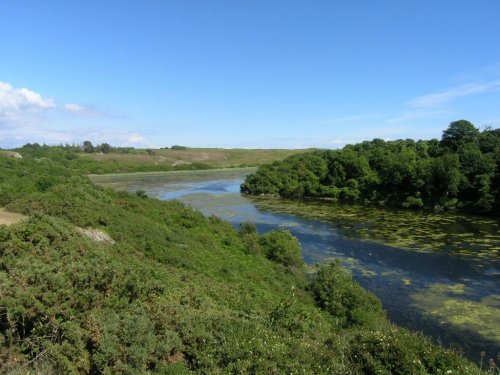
{"x": 245, "y": 73}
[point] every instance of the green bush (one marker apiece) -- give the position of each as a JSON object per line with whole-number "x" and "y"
{"x": 395, "y": 351}
{"x": 281, "y": 247}
{"x": 336, "y": 292}
{"x": 250, "y": 237}
{"x": 174, "y": 292}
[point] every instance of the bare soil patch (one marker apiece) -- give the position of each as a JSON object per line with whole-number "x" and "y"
{"x": 96, "y": 235}
{"x": 9, "y": 218}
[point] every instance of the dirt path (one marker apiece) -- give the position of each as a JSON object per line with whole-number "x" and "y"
{"x": 9, "y": 218}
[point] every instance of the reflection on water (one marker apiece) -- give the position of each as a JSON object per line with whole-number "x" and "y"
{"x": 439, "y": 273}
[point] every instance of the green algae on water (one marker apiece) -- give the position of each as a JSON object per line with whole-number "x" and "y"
{"x": 449, "y": 304}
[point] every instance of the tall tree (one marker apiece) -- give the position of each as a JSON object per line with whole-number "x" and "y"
{"x": 88, "y": 147}
{"x": 458, "y": 134}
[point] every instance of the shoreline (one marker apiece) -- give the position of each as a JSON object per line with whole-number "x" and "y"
{"x": 94, "y": 176}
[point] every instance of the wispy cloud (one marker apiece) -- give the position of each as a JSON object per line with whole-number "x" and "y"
{"x": 356, "y": 118}
{"x": 485, "y": 73}
{"x": 13, "y": 136}
{"x": 438, "y": 98}
{"x": 86, "y": 110}
{"x": 117, "y": 137}
{"x": 136, "y": 139}
{"x": 74, "y": 107}
{"x": 415, "y": 114}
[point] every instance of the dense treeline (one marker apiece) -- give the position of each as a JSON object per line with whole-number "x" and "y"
{"x": 104, "y": 148}
{"x": 172, "y": 292}
{"x": 86, "y": 147}
{"x": 462, "y": 171}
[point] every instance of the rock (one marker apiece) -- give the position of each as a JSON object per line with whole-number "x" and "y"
{"x": 180, "y": 162}
{"x": 96, "y": 235}
{"x": 13, "y": 154}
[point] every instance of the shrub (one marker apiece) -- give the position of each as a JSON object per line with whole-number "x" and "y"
{"x": 281, "y": 247}
{"x": 248, "y": 228}
{"x": 141, "y": 193}
{"x": 250, "y": 237}
{"x": 396, "y": 351}
{"x": 336, "y": 292}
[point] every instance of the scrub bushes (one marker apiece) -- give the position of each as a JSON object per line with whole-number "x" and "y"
{"x": 174, "y": 292}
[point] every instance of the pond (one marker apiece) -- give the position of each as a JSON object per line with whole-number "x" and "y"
{"x": 435, "y": 273}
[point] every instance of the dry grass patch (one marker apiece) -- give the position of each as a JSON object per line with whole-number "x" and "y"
{"x": 9, "y": 218}
{"x": 219, "y": 158}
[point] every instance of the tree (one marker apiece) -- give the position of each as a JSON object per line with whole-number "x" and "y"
{"x": 489, "y": 140}
{"x": 105, "y": 148}
{"x": 88, "y": 147}
{"x": 459, "y": 133}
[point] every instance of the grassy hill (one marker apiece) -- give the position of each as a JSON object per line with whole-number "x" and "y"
{"x": 123, "y": 160}
{"x": 97, "y": 281}
{"x": 215, "y": 157}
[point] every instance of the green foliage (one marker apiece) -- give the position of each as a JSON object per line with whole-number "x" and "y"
{"x": 170, "y": 291}
{"x": 392, "y": 351}
{"x": 459, "y": 133}
{"x": 105, "y": 148}
{"x": 88, "y": 147}
{"x": 413, "y": 202}
{"x": 250, "y": 237}
{"x": 104, "y": 158}
{"x": 335, "y": 292}
{"x": 461, "y": 172}
{"x": 141, "y": 194}
{"x": 281, "y": 247}
{"x": 248, "y": 228}
{"x": 113, "y": 160}
{"x": 489, "y": 140}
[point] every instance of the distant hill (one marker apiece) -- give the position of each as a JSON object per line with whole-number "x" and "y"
{"x": 101, "y": 159}
{"x": 214, "y": 157}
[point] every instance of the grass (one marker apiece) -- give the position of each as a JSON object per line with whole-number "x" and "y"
{"x": 216, "y": 157}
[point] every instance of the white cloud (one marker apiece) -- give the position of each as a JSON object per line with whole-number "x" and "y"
{"x": 27, "y": 116}
{"x": 18, "y": 103}
{"x": 89, "y": 111}
{"x": 18, "y": 135}
{"x": 74, "y": 107}
{"x": 136, "y": 139}
{"x": 21, "y": 113}
{"x": 438, "y": 98}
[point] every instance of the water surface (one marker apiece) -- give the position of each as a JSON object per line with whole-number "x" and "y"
{"x": 437, "y": 273}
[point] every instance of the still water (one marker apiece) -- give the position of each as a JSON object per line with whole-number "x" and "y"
{"x": 436, "y": 273}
